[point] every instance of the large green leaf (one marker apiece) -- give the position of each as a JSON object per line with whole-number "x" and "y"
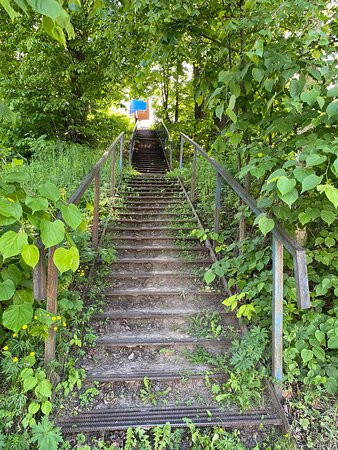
{"x": 265, "y": 224}
{"x": 332, "y": 109}
{"x": 66, "y": 259}
{"x": 10, "y": 209}
{"x": 50, "y": 8}
{"x": 310, "y": 182}
{"x": 50, "y": 191}
{"x": 328, "y": 216}
{"x": 331, "y": 193}
{"x": 23, "y": 296}
{"x": 8, "y": 8}
{"x": 333, "y": 342}
{"x": 11, "y": 243}
{"x": 30, "y": 254}
{"x": 71, "y": 215}
{"x": 315, "y": 160}
{"x": 36, "y": 204}
{"x": 290, "y": 197}
{"x": 285, "y": 184}
{"x": 17, "y": 315}
{"x": 258, "y": 74}
{"x": 306, "y": 355}
{"x": 52, "y": 233}
{"x": 7, "y": 289}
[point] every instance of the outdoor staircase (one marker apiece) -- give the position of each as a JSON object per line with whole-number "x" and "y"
{"x": 155, "y": 293}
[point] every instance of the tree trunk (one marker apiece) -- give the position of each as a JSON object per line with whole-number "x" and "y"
{"x": 176, "y": 95}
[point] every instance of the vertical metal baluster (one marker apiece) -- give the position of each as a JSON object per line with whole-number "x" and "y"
{"x": 277, "y": 308}
{"x": 181, "y": 152}
{"x": 112, "y": 180}
{"x": 217, "y": 202}
{"x": 95, "y": 230}
{"x": 193, "y": 177}
{"x": 131, "y": 149}
{"x": 171, "y": 155}
{"x": 121, "y": 157}
{"x": 52, "y": 291}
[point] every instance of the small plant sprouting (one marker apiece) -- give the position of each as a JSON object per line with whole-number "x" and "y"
{"x": 148, "y": 395}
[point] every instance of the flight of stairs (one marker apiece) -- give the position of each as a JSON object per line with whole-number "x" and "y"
{"x": 155, "y": 302}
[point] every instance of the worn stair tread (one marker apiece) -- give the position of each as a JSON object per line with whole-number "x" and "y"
{"x": 115, "y": 419}
{"x": 159, "y": 237}
{"x": 155, "y": 291}
{"x": 160, "y": 248}
{"x": 161, "y": 260}
{"x": 151, "y": 274}
{"x": 159, "y": 313}
{"x": 171, "y": 339}
{"x": 138, "y": 229}
{"x": 141, "y": 201}
{"x": 168, "y": 221}
{"x": 157, "y": 214}
{"x": 160, "y": 372}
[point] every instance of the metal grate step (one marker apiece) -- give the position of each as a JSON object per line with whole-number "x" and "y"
{"x": 117, "y": 419}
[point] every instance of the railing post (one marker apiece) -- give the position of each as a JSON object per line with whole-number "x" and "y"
{"x": 52, "y": 291}
{"x": 112, "y": 180}
{"x": 95, "y": 230}
{"x": 121, "y": 155}
{"x": 193, "y": 177}
{"x": 171, "y": 155}
{"x": 277, "y": 308}
{"x": 181, "y": 152}
{"x": 217, "y": 202}
{"x": 131, "y": 149}
{"x": 39, "y": 277}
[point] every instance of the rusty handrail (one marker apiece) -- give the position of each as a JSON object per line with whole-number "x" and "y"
{"x": 166, "y": 138}
{"x": 46, "y": 286}
{"x": 132, "y": 141}
{"x": 281, "y": 239}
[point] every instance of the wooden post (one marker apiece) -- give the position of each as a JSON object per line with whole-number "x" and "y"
{"x": 277, "y": 309}
{"x": 217, "y": 202}
{"x": 112, "y": 179}
{"x": 52, "y": 292}
{"x": 181, "y": 152}
{"x": 95, "y": 230}
{"x": 39, "y": 277}
{"x": 193, "y": 177}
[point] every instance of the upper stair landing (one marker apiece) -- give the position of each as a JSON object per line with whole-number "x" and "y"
{"x": 148, "y": 156}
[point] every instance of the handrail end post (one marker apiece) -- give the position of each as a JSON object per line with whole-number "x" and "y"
{"x": 302, "y": 281}
{"x": 181, "y": 151}
{"x": 277, "y": 309}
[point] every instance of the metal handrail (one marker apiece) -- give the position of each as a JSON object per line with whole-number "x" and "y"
{"x": 45, "y": 284}
{"x": 164, "y": 140}
{"x": 281, "y": 239}
{"x": 132, "y": 141}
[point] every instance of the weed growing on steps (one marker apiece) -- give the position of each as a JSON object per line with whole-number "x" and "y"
{"x": 207, "y": 324}
{"x": 245, "y": 377}
{"x": 87, "y": 397}
{"x": 168, "y": 438}
{"x": 149, "y": 395}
